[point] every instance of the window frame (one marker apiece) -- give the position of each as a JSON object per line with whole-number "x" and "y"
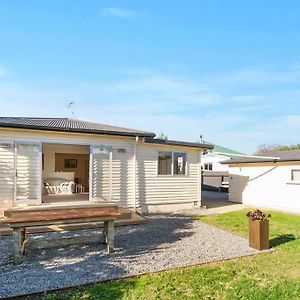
{"x": 292, "y": 175}
{"x": 158, "y": 163}
{"x": 172, "y": 163}
{"x": 208, "y": 169}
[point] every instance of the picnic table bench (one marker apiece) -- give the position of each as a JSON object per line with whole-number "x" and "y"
{"x": 19, "y": 219}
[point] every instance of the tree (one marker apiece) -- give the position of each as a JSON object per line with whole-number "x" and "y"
{"x": 264, "y": 149}
{"x": 291, "y": 147}
{"x": 162, "y": 136}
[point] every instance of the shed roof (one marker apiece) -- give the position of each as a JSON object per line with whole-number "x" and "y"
{"x": 274, "y": 156}
{"x": 70, "y": 125}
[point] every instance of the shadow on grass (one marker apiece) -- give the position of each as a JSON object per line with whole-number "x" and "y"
{"x": 109, "y": 290}
{"x": 282, "y": 239}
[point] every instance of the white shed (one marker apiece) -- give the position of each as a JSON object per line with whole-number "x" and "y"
{"x": 266, "y": 182}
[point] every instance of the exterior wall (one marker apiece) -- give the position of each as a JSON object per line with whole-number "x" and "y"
{"x": 157, "y": 191}
{"x": 122, "y": 165}
{"x": 153, "y": 193}
{"x": 215, "y": 159}
{"x": 265, "y": 186}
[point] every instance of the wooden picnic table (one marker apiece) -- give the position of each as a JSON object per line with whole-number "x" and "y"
{"x": 19, "y": 219}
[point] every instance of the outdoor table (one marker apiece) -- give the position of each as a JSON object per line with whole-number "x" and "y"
{"x": 19, "y": 219}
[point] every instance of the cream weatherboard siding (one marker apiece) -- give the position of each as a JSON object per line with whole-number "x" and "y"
{"x": 122, "y": 164}
{"x": 266, "y": 186}
{"x": 153, "y": 193}
{"x": 159, "y": 191}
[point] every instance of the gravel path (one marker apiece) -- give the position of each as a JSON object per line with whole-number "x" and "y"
{"x": 163, "y": 242}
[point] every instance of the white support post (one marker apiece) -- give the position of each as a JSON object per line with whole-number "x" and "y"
{"x": 199, "y": 179}
{"x": 15, "y": 174}
{"x": 40, "y": 173}
{"x": 110, "y": 175}
{"x": 91, "y": 174}
{"x": 134, "y": 172}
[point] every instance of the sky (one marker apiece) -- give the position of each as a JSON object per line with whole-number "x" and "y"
{"x": 229, "y": 70}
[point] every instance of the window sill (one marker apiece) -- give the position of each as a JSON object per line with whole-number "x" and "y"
{"x": 174, "y": 175}
{"x": 293, "y": 182}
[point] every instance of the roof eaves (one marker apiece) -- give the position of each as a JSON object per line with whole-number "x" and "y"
{"x": 88, "y": 131}
{"x": 233, "y": 162}
{"x": 178, "y": 143}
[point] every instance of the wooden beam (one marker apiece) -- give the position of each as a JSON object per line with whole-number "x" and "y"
{"x": 17, "y": 244}
{"x": 61, "y": 242}
{"x": 110, "y": 236}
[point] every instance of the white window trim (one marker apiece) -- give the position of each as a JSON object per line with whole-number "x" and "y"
{"x": 293, "y": 181}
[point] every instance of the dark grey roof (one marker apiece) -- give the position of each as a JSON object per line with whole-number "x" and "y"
{"x": 288, "y": 154}
{"x": 178, "y": 143}
{"x": 70, "y": 125}
{"x": 273, "y": 156}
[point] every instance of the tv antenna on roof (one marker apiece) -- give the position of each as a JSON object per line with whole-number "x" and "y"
{"x": 71, "y": 107}
{"x": 201, "y": 138}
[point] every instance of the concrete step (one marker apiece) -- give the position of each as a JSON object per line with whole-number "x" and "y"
{"x": 127, "y": 218}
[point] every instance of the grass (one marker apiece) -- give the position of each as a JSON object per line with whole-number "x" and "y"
{"x": 273, "y": 275}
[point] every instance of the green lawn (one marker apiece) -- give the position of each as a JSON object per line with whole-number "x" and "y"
{"x": 273, "y": 275}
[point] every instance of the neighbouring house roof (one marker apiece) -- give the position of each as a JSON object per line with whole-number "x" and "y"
{"x": 178, "y": 143}
{"x": 225, "y": 151}
{"x": 273, "y": 156}
{"x": 70, "y": 125}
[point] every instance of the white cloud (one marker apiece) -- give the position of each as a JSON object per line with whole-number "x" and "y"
{"x": 118, "y": 13}
{"x": 182, "y": 107}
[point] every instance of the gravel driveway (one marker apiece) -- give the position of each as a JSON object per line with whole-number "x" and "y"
{"x": 163, "y": 242}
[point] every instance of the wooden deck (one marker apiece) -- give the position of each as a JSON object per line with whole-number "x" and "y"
{"x": 59, "y": 198}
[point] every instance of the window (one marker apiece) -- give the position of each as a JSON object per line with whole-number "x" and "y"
{"x": 208, "y": 166}
{"x": 171, "y": 163}
{"x": 179, "y": 163}
{"x": 295, "y": 175}
{"x": 165, "y": 163}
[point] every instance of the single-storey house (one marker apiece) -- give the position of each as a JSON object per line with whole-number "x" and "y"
{"x": 211, "y": 159}
{"x": 61, "y": 160}
{"x": 215, "y": 174}
{"x": 266, "y": 182}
